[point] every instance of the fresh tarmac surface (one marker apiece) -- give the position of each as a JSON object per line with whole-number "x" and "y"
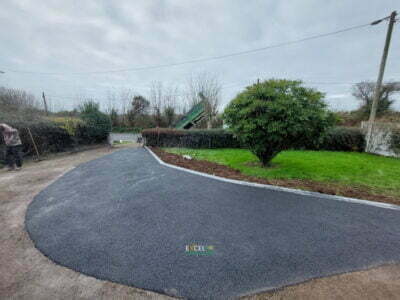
{"x": 128, "y": 219}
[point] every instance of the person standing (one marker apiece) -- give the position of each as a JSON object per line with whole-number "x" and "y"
{"x": 13, "y": 147}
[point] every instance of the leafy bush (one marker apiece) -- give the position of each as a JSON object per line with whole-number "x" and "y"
{"x": 95, "y": 129}
{"x": 162, "y": 137}
{"x": 68, "y": 123}
{"x": 96, "y": 125}
{"x": 48, "y": 138}
{"x": 342, "y": 139}
{"x": 275, "y": 115}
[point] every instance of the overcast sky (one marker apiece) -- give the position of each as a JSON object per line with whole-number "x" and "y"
{"x": 67, "y": 37}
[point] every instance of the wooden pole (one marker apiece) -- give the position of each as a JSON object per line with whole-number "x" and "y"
{"x": 378, "y": 86}
{"x": 45, "y": 104}
{"x": 34, "y": 144}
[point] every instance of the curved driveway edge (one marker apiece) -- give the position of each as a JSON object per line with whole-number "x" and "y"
{"x": 278, "y": 188}
{"x": 128, "y": 219}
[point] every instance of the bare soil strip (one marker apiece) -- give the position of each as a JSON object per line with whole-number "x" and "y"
{"x": 309, "y": 185}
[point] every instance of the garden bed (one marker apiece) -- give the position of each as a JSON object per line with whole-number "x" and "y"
{"x": 354, "y": 191}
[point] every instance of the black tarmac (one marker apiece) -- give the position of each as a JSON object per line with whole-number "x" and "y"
{"x": 128, "y": 219}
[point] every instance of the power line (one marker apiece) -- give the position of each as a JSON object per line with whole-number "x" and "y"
{"x": 198, "y": 60}
{"x": 228, "y": 86}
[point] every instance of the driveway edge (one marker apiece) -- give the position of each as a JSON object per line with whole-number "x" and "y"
{"x": 278, "y": 188}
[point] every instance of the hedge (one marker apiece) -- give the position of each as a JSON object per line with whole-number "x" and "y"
{"x": 214, "y": 138}
{"x": 343, "y": 139}
{"x": 91, "y": 129}
{"x": 52, "y": 137}
{"x": 95, "y": 128}
{"x": 48, "y": 138}
{"x": 337, "y": 139}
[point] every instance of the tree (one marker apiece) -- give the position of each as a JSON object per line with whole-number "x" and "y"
{"x": 139, "y": 106}
{"x": 98, "y": 124}
{"x": 163, "y": 104}
{"x": 364, "y": 91}
{"x": 169, "y": 115}
{"x": 170, "y": 106}
{"x": 114, "y": 117}
{"x": 89, "y": 107}
{"x": 156, "y": 99}
{"x": 125, "y": 101}
{"x": 18, "y": 105}
{"x": 276, "y": 115}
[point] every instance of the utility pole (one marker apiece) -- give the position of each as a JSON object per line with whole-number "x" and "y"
{"x": 45, "y": 104}
{"x": 378, "y": 86}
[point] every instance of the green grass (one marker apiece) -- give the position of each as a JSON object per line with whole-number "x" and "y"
{"x": 377, "y": 173}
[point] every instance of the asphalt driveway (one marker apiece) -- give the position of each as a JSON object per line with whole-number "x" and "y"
{"x": 128, "y": 219}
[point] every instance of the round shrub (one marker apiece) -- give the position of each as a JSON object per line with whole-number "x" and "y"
{"x": 276, "y": 115}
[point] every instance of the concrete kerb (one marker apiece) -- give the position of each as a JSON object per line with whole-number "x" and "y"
{"x": 278, "y": 188}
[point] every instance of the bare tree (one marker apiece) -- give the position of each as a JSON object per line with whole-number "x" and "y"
{"x": 111, "y": 102}
{"x": 125, "y": 98}
{"x": 18, "y": 105}
{"x": 164, "y": 103}
{"x": 156, "y": 102}
{"x": 112, "y": 109}
{"x": 170, "y": 105}
{"x": 364, "y": 91}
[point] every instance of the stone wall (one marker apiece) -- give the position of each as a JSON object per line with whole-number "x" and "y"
{"x": 381, "y": 137}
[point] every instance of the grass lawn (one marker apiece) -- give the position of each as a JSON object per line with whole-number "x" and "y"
{"x": 375, "y": 173}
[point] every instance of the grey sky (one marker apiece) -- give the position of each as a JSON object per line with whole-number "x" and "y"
{"x": 83, "y": 36}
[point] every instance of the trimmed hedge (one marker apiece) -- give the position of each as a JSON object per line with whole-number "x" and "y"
{"x": 337, "y": 139}
{"x": 93, "y": 128}
{"x": 215, "y": 138}
{"x": 47, "y": 135}
{"x": 343, "y": 139}
{"x": 52, "y": 137}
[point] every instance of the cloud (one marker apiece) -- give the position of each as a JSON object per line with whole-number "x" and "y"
{"x": 338, "y": 96}
{"x": 80, "y": 36}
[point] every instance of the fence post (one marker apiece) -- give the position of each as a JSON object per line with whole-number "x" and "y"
{"x": 34, "y": 144}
